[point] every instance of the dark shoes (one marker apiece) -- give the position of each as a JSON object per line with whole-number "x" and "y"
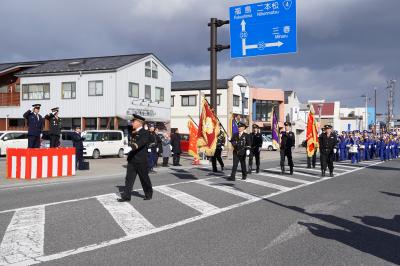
{"x": 244, "y": 177}
{"x": 231, "y": 178}
{"x": 257, "y": 170}
{"x": 331, "y": 174}
{"x": 123, "y": 199}
{"x": 323, "y": 173}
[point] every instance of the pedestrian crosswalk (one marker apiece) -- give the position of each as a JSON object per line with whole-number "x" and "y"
{"x": 24, "y": 240}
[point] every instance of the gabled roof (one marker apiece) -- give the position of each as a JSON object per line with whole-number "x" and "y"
{"x": 76, "y": 65}
{"x": 287, "y": 94}
{"x": 89, "y": 64}
{"x": 327, "y": 109}
{"x": 198, "y": 85}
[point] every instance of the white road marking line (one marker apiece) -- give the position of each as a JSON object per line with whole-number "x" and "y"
{"x": 317, "y": 168}
{"x": 126, "y": 216}
{"x": 93, "y": 197}
{"x": 266, "y": 184}
{"x": 24, "y": 236}
{"x": 227, "y": 189}
{"x": 193, "y": 202}
{"x": 294, "y": 172}
{"x": 348, "y": 166}
{"x": 284, "y": 178}
{"x": 163, "y": 228}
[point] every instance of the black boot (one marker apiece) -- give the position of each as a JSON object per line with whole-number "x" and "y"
{"x": 258, "y": 170}
{"x": 282, "y": 170}
{"x": 250, "y": 169}
{"x": 291, "y": 170}
{"x": 331, "y": 174}
{"x": 323, "y": 173}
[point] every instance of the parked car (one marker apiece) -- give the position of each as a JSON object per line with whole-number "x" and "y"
{"x": 13, "y": 139}
{"x": 104, "y": 143}
{"x": 184, "y": 142}
{"x": 65, "y": 139}
{"x": 267, "y": 143}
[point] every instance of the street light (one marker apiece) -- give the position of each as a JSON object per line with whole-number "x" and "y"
{"x": 243, "y": 87}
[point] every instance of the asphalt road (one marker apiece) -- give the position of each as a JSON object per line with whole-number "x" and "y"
{"x": 197, "y": 218}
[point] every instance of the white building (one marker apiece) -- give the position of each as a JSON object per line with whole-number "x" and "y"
{"x": 295, "y": 112}
{"x": 352, "y": 119}
{"x": 97, "y": 92}
{"x": 186, "y": 100}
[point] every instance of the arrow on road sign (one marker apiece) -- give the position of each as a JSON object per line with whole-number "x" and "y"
{"x": 260, "y": 45}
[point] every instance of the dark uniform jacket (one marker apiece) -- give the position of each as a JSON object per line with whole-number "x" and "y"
{"x": 35, "y": 124}
{"x": 55, "y": 124}
{"x": 159, "y": 143}
{"x": 287, "y": 140}
{"x": 176, "y": 143}
{"x": 139, "y": 142}
{"x": 256, "y": 140}
{"x": 152, "y": 141}
{"x": 220, "y": 140}
{"x": 327, "y": 144}
{"x": 240, "y": 144}
{"x": 77, "y": 140}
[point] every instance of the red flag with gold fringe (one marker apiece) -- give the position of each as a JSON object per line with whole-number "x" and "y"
{"x": 193, "y": 132}
{"x": 208, "y": 130}
{"x": 312, "y": 138}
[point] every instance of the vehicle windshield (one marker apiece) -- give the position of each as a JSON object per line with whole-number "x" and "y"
{"x": 93, "y": 136}
{"x": 266, "y": 138}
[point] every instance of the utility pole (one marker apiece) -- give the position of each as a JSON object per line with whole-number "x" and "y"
{"x": 214, "y": 48}
{"x": 391, "y": 85}
{"x": 375, "y": 110}
{"x": 366, "y": 112}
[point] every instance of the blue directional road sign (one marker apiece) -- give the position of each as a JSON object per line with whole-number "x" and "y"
{"x": 263, "y": 28}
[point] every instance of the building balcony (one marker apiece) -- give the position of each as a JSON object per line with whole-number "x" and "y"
{"x": 10, "y": 99}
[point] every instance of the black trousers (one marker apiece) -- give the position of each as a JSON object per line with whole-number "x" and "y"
{"x": 288, "y": 154}
{"x": 215, "y": 158}
{"x": 33, "y": 142}
{"x": 236, "y": 160}
{"x": 255, "y": 152}
{"x": 132, "y": 170}
{"x": 327, "y": 161}
{"x": 312, "y": 160}
{"x": 165, "y": 161}
{"x": 79, "y": 157}
{"x": 176, "y": 158}
{"x": 54, "y": 141}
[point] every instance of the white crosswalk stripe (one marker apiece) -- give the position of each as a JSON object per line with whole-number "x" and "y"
{"x": 295, "y": 172}
{"x": 267, "y": 184}
{"x": 227, "y": 189}
{"x": 125, "y": 215}
{"x": 187, "y": 199}
{"x": 24, "y": 237}
{"x": 285, "y": 178}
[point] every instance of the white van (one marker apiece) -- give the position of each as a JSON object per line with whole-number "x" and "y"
{"x": 13, "y": 139}
{"x": 104, "y": 142}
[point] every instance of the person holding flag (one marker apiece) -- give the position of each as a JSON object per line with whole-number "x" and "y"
{"x": 275, "y": 130}
{"x": 287, "y": 144}
{"x": 208, "y": 131}
{"x": 218, "y": 152}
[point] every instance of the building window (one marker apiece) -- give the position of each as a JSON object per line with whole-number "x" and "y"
{"x": 36, "y": 91}
{"x": 246, "y": 103}
{"x": 189, "y": 100}
{"x": 208, "y": 98}
{"x": 263, "y": 110}
{"x": 159, "y": 94}
{"x": 147, "y": 92}
{"x": 68, "y": 90}
{"x": 133, "y": 90}
{"x": 91, "y": 123}
{"x": 236, "y": 100}
{"x": 96, "y": 88}
{"x": 172, "y": 101}
{"x": 151, "y": 69}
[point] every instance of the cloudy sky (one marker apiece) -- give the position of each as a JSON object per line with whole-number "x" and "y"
{"x": 345, "y": 47}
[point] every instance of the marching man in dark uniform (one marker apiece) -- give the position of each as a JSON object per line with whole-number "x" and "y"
{"x": 328, "y": 141}
{"x": 256, "y": 144}
{"x": 77, "y": 142}
{"x": 35, "y": 126}
{"x": 55, "y": 127}
{"x": 218, "y": 152}
{"x": 137, "y": 161}
{"x": 241, "y": 148}
{"x": 287, "y": 143}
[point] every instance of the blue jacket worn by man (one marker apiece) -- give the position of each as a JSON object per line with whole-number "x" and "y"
{"x": 35, "y": 126}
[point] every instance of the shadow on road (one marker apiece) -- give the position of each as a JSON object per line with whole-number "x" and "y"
{"x": 358, "y": 236}
{"x": 388, "y": 224}
{"x": 391, "y": 194}
{"x": 185, "y": 176}
{"x": 378, "y": 167}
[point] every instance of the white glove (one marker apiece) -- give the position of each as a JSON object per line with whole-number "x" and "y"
{"x": 170, "y": 146}
{"x": 334, "y": 150}
{"x": 148, "y": 150}
{"x": 222, "y": 147}
{"x": 247, "y": 152}
{"x": 157, "y": 149}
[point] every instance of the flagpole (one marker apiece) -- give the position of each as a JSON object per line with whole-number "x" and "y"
{"x": 193, "y": 120}
{"x": 216, "y": 117}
